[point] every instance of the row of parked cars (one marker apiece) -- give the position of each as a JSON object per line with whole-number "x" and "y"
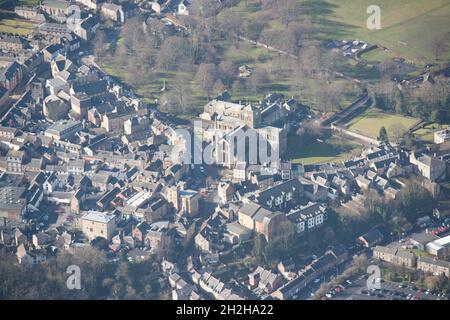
{"x": 337, "y": 290}
{"x": 397, "y": 294}
{"x": 392, "y": 294}
{"x": 426, "y": 291}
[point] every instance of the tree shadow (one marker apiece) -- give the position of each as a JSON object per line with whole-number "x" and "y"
{"x": 322, "y": 12}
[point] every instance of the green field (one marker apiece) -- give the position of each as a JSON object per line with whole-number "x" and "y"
{"x": 427, "y": 132}
{"x": 333, "y": 149}
{"x": 371, "y": 121}
{"x": 280, "y": 78}
{"x": 409, "y": 28}
{"x": 16, "y": 26}
{"x": 9, "y": 4}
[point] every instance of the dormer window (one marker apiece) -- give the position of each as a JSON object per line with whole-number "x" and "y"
{"x": 278, "y": 200}
{"x": 289, "y": 196}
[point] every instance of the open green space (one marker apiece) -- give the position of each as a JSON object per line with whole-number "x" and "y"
{"x": 10, "y": 4}
{"x": 16, "y": 26}
{"x": 412, "y": 29}
{"x": 334, "y": 149}
{"x": 370, "y": 122}
{"x": 404, "y": 24}
{"x": 280, "y": 80}
{"x": 427, "y": 132}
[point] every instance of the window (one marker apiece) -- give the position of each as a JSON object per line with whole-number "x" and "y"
{"x": 319, "y": 219}
{"x": 278, "y": 200}
{"x": 301, "y": 226}
{"x": 310, "y": 223}
{"x": 289, "y": 196}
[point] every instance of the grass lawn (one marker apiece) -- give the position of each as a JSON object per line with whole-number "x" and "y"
{"x": 378, "y": 55}
{"x": 16, "y": 26}
{"x": 333, "y": 149}
{"x": 9, "y": 4}
{"x": 280, "y": 78}
{"x": 371, "y": 121}
{"x": 427, "y": 132}
{"x": 420, "y": 253}
{"x": 409, "y": 28}
{"x": 29, "y": 3}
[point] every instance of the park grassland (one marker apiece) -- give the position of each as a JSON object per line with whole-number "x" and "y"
{"x": 280, "y": 78}
{"x": 370, "y": 122}
{"x": 10, "y": 23}
{"x": 16, "y": 26}
{"x": 332, "y": 150}
{"x": 426, "y": 133}
{"x": 409, "y": 28}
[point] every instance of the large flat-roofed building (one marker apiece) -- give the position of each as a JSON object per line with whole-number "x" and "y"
{"x": 420, "y": 240}
{"x": 96, "y": 224}
{"x": 63, "y": 129}
{"x": 439, "y": 247}
{"x": 12, "y": 203}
